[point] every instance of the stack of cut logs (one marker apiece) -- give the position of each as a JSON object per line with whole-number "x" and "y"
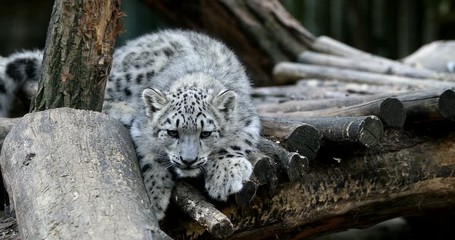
{"x": 343, "y": 102}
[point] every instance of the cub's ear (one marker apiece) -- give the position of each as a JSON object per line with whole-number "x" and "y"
{"x": 225, "y": 102}
{"x": 154, "y": 100}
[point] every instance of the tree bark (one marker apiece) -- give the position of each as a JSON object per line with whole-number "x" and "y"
{"x": 73, "y": 174}
{"x": 78, "y": 54}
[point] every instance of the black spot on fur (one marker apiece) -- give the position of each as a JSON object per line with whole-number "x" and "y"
{"x": 222, "y": 151}
{"x": 236, "y": 148}
{"x": 248, "y": 142}
{"x": 21, "y": 66}
{"x": 150, "y": 75}
{"x": 127, "y": 92}
{"x": 146, "y": 167}
{"x": 139, "y": 78}
{"x": 128, "y": 77}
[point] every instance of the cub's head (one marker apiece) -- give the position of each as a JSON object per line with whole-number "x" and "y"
{"x": 189, "y": 124}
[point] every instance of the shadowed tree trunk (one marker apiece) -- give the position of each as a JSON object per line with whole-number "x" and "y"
{"x": 78, "y": 54}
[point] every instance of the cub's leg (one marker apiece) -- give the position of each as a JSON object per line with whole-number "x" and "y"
{"x": 225, "y": 174}
{"x": 159, "y": 184}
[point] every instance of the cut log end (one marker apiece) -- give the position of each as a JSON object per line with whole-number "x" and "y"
{"x": 297, "y": 166}
{"x": 305, "y": 140}
{"x": 446, "y": 104}
{"x": 244, "y": 197}
{"x": 392, "y": 112}
{"x": 371, "y": 131}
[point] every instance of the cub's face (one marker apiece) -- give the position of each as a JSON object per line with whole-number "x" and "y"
{"x": 189, "y": 125}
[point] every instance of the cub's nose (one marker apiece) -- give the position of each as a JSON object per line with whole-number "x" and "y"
{"x": 188, "y": 161}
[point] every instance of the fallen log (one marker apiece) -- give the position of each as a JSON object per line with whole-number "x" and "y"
{"x": 389, "y": 110}
{"x": 331, "y": 46}
{"x": 429, "y": 106}
{"x": 412, "y": 176}
{"x": 315, "y": 58}
{"x": 285, "y": 72}
{"x": 444, "y": 97}
{"x": 85, "y": 178}
{"x": 295, "y": 137}
{"x": 367, "y": 131}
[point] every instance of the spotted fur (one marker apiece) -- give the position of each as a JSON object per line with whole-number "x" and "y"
{"x": 186, "y": 99}
{"x": 19, "y": 75}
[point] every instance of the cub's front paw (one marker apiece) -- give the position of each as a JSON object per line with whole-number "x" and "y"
{"x": 226, "y": 176}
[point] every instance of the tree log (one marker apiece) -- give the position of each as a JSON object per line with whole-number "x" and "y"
{"x": 78, "y": 54}
{"x": 367, "y": 131}
{"x": 390, "y": 110}
{"x": 406, "y": 175}
{"x": 198, "y": 208}
{"x": 85, "y": 178}
{"x": 322, "y": 59}
{"x": 290, "y": 165}
{"x": 295, "y": 137}
{"x": 328, "y": 45}
{"x": 289, "y": 72}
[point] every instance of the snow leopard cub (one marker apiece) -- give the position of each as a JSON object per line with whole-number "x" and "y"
{"x": 195, "y": 116}
{"x": 186, "y": 99}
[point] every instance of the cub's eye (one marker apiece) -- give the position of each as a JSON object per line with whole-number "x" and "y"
{"x": 173, "y": 133}
{"x": 206, "y": 134}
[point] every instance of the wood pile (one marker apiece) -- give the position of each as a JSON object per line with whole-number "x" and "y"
{"x": 356, "y": 140}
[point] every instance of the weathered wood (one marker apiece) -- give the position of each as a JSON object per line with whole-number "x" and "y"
{"x": 286, "y": 72}
{"x": 429, "y": 105}
{"x": 198, "y": 208}
{"x": 291, "y": 165}
{"x": 246, "y": 195}
{"x": 78, "y": 54}
{"x": 264, "y": 170}
{"x": 315, "y": 58}
{"x": 328, "y": 45}
{"x": 406, "y": 175}
{"x": 295, "y": 137}
{"x": 367, "y": 130}
{"x": 390, "y": 111}
{"x": 73, "y": 158}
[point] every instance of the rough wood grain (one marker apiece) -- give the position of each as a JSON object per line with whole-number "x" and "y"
{"x": 290, "y": 165}
{"x": 78, "y": 54}
{"x": 367, "y": 130}
{"x": 294, "y": 136}
{"x": 73, "y": 174}
{"x": 198, "y": 208}
{"x": 390, "y": 110}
